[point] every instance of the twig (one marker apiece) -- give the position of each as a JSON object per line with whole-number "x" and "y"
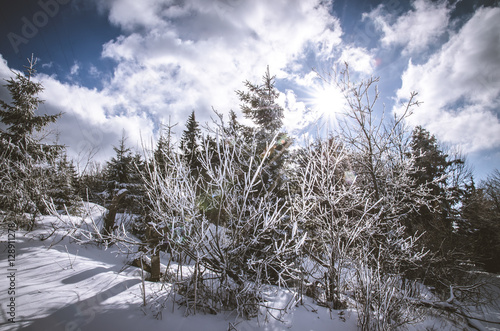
{"x": 143, "y": 285}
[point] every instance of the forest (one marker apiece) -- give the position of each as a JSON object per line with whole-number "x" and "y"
{"x": 377, "y": 217}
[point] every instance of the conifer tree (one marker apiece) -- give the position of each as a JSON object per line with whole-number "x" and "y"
{"x": 190, "y": 144}
{"x": 432, "y": 169}
{"x": 259, "y": 104}
{"x": 164, "y": 149}
{"x": 480, "y": 208}
{"x": 64, "y": 182}
{"x": 25, "y": 159}
{"x": 119, "y": 168}
{"x": 124, "y": 172}
{"x": 21, "y": 118}
{"x": 91, "y": 183}
{"x": 437, "y": 220}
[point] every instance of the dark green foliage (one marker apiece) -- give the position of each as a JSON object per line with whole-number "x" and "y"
{"x": 259, "y": 104}
{"x": 26, "y": 162}
{"x": 480, "y": 211}
{"x": 431, "y": 165}
{"x": 92, "y": 183}
{"x": 491, "y": 227}
{"x": 123, "y": 172}
{"x": 64, "y": 183}
{"x": 119, "y": 169}
{"x": 438, "y": 221}
{"x": 164, "y": 149}
{"x": 190, "y": 144}
{"x": 21, "y": 118}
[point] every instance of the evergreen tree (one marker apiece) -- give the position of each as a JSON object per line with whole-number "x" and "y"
{"x": 64, "y": 182}
{"x": 259, "y": 104}
{"x": 481, "y": 210}
{"x": 91, "y": 183}
{"x": 434, "y": 168}
{"x": 431, "y": 162}
{"x": 190, "y": 144}
{"x": 25, "y": 160}
{"x": 438, "y": 221}
{"x": 124, "y": 172}
{"x": 119, "y": 169}
{"x": 164, "y": 150}
{"x": 21, "y": 118}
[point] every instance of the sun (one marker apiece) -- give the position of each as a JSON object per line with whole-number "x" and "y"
{"x": 326, "y": 101}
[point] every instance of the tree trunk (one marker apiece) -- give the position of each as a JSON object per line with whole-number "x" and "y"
{"x": 109, "y": 218}
{"x": 154, "y": 240}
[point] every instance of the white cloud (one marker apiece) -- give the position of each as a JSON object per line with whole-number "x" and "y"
{"x": 132, "y": 14}
{"x": 417, "y": 29}
{"x": 74, "y": 69}
{"x": 194, "y": 55}
{"x": 94, "y": 72}
{"x": 5, "y": 73}
{"x": 91, "y": 119}
{"x": 173, "y": 57}
{"x": 294, "y": 120}
{"x": 359, "y": 59}
{"x": 460, "y": 85}
{"x": 47, "y": 65}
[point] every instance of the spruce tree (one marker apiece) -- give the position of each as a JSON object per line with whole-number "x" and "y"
{"x": 259, "y": 104}
{"x": 124, "y": 172}
{"x": 20, "y": 116}
{"x": 190, "y": 144}
{"x": 119, "y": 168}
{"x": 25, "y": 159}
{"x": 64, "y": 182}
{"x": 481, "y": 209}
{"x": 164, "y": 150}
{"x": 438, "y": 221}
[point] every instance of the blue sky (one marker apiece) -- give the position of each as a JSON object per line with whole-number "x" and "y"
{"x": 125, "y": 65}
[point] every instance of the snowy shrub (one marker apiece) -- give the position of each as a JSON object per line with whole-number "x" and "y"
{"x": 245, "y": 243}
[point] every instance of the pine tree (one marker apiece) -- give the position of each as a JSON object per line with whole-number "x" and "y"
{"x": 120, "y": 167}
{"x": 481, "y": 210}
{"x": 190, "y": 144}
{"x": 438, "y": 221}
{"x": 21, "y": 118}
{"x": 259, "y": 104}
{"x": 164, "y": 150}
{"x": 92, "y": 183}
{"x": 64, "y": 182}
{"x": 431, "y": 162}
{"x": 124, "y": 172}
{"x": 433, "y": 167}
{"x": 25, "y": 160}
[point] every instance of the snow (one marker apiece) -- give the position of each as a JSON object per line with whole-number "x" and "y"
{"x": 61, "y": 285}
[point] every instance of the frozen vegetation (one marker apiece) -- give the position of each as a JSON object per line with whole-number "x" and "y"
{"x": 239, "y": 227}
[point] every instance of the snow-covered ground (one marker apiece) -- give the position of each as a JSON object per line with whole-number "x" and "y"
{"x": 57, "y": 284}
{"x": 60, "y": 285}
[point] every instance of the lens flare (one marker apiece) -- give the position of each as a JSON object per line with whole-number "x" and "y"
{"x": 326, "y": 101}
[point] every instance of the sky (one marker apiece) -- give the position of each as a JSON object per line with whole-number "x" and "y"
{"x": 117, "y": 67}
